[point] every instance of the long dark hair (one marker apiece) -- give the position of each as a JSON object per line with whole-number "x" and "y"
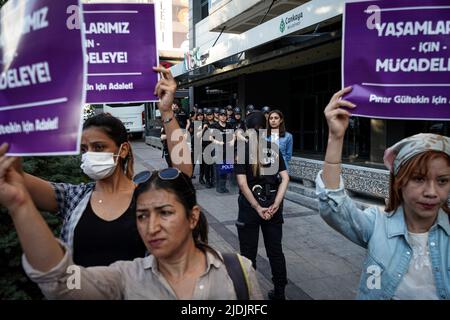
{"x": 281, "y": 129}
{"x": 184, "y": 191}
{"x": 117, "y": 132}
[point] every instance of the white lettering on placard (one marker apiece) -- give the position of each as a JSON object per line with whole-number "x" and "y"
{"x": 10, "y": 128}
{"x": 413, "y": 28}
{"x": 110, "y": 86}
{"x": 411, "y": 100}
{"x": 107, "y": 28}
{"x": 35, "y": 21}
{"x": 121, "y": 86}
{"x": 413, "y": 65}
{"x": 25, "y": 76}
{"x": 107, "y": 57}
{"x": 46, "y": 124}
{"x": 27, "y": 126}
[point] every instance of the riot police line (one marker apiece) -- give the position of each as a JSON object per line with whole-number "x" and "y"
{"x": 223, "y": 152}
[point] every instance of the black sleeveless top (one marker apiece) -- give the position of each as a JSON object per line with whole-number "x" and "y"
{"x": 98, "y": 242}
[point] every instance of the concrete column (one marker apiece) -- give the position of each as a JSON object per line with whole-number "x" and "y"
{"x": 194, "y": 17}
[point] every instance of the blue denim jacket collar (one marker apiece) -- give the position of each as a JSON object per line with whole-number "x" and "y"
{"x": 396, "y": 224}
{"x": 444, "y": 221}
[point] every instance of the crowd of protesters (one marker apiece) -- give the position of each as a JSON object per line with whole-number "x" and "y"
{"x": 145, "y": 237}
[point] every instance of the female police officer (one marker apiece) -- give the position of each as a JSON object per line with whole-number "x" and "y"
{"x": 262, "y": 185}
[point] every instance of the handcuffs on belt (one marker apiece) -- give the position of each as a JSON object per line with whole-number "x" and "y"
{"x": 258, "y": 192}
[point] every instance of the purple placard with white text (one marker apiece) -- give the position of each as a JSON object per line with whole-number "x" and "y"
{"x": 396, "y": 55}
{"x": 42, "y": 77}
{"x": 121, "y": 50}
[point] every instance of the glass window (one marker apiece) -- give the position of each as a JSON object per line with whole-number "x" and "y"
{"x": 204, "y": 8}
{"x": 311, "y": 89}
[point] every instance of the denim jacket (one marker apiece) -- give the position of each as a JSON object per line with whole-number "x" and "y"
{"x": 385, "y": 236}
{"x": 285, "y": 144}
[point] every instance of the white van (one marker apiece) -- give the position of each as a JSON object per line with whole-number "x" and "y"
{"x": 131, "y": 114}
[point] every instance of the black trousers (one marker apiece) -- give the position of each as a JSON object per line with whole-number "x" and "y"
{"x": 193, "y": 161}
{"x": 209, "y": 173}
{"x": 202, "y": 170}
{"x": 221, "y": 180}
{"x": 248, "y": 233}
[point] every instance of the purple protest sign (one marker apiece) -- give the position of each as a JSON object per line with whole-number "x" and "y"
{"x": 43, "y": 77}
{"x": 121, "y": 49}
{"x": 396, "y": 55}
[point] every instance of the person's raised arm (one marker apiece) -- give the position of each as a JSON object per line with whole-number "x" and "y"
{"x": 163, "y": 135}
{"x": 337, "y": 119}
{"x": 165, "y": 90}
{"x": 41, "y": 191}
{"x": 38, "y": 243}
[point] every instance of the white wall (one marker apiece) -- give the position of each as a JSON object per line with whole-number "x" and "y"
{"x": 204, "y": 39}
{"x": 228, "y": 9}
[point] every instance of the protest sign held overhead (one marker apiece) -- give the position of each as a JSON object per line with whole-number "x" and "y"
{"x": 121, "y": 51}
{"x": 396, "y": 55}
{"x": 41, "y": 94}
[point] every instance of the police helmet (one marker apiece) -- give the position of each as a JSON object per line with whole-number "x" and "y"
{"x": 256, "y": 120}
{"x": 265, "y": 109}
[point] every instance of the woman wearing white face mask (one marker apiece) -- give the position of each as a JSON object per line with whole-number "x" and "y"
{"x": 99, "y": 217}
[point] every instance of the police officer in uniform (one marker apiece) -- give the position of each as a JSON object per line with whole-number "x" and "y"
{"x": 216, "y": 114}
{"x": 190, "y": 129}
{"x": 223, "y": 128}
{"x": 238, "y": 122}
{"x": 230, "y": 115}
{"x": 250, "y": 108}
{"x": 208, "y": 168}
{"x": 262, "y": 189}
{"x": 196, "y": 131}
{"x": 266, "y": 111}
{"x": 165, "y": 149}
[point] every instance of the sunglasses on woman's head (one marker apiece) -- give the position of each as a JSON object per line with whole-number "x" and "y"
{"x": 164, "y": 174}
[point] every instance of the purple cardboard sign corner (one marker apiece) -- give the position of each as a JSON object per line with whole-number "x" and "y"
{"x": 396, "y": 55}
{"x": 41, "y": 95}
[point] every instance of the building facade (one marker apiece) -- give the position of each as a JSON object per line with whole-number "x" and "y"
{"x": 287, "y": 54}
